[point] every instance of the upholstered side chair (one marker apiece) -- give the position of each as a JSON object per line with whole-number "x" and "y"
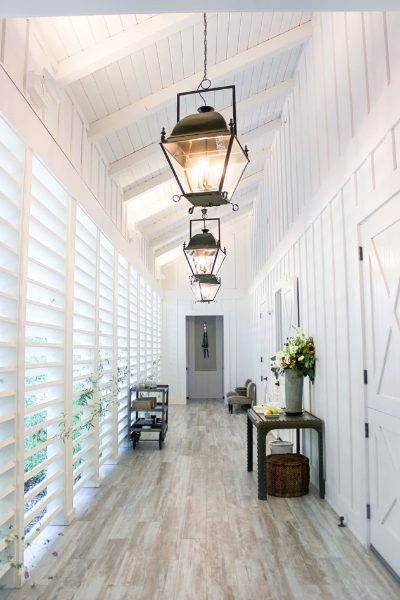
{"x": 248, "y": 400}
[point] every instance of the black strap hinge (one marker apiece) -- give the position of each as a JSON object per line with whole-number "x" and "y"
{"x": 365, "y": 376}
{"x": 366, "y": 429}
{"x": 360, "y": 253}
{"x": 368, "y": 511}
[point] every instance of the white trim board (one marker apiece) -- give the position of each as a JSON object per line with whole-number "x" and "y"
{"x": 25, "y": 8}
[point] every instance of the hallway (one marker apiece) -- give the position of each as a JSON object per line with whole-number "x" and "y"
{"x": 185, "y": 523}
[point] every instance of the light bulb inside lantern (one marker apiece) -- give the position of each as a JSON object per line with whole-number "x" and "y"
{"x": 202, "y": 170}
{"x": 201, "y": 264}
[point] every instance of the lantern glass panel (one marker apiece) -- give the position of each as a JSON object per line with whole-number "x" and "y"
{"x": 196, "y": 289}
{"x": 236, "y": 165}
{"x": 201, "y": 261}
{"x": 209, "y": 291}
{"x": 205, "y": 261}
{"x": 199, "y": 163}
{"x": 205, "y": 290}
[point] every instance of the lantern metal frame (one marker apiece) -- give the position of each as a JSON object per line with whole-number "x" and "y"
{"x": 206, "y": 241}
{"x": 204, "y": 279}
{"x": 212, "y": 198}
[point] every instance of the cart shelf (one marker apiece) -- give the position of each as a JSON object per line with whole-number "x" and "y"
{"x": 149, "y": 421}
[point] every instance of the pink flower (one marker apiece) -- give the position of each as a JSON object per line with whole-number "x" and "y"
{"x": 55, "y": 553}
{"x": 26, "y": 574}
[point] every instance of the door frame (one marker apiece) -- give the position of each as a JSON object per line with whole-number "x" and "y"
{"x": 204, "y": 316}
{"x": 360, "y": 220}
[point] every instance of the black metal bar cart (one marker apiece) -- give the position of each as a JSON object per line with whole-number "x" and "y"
{"x": 148, "y": 413}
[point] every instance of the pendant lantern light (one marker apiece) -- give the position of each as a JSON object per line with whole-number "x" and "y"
{"x": 205, "y": 287}
{"x": 203, "y": 152}
{"x": 203, "y": 252}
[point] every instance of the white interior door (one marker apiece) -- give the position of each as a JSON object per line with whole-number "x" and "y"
{"x": 380, "y": 235}
{"x": 205, "y": 368}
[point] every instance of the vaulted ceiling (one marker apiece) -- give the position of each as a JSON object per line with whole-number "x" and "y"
{"x": 125, "y": 71}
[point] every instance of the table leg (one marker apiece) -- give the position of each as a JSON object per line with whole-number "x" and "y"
{"x": 249, "y": 445}
{"x": 298, "y": 441}
{"x": 321, "y": 464}
{"x": 261, "y": 465}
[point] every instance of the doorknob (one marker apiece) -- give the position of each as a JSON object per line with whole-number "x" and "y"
{"x": 264, "y": 378}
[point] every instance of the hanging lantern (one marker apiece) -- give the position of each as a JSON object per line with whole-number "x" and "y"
{"x": 204, "y": 154}
{"x": 205, "y": 287}
{"x": 203, "y": 252}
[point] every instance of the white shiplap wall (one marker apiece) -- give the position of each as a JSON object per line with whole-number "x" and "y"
{"x": 21, "y": 52}
{"x": 333, "y": 162}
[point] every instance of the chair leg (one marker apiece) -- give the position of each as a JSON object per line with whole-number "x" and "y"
{"x": 230, "y": 408}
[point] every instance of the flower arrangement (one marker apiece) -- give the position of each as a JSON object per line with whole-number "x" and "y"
{"x": 298, "y": 354}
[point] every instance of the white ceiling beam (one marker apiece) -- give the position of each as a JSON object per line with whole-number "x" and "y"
{"x": 120, "y": 45}
{"x": 180, "y": 234}
{"x": 140, "y": 188}
{"x": 164, "y": 176}
{"x": 282, "y": 89}
{"x": 148, "y": 152}
{"x": 48, "y": 8}
{"x": 147, "y": 106}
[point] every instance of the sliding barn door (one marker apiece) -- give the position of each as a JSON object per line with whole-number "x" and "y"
{"x": 380, "y": 235}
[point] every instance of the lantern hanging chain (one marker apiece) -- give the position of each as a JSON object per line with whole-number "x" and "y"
{"x": 205, "y": 83}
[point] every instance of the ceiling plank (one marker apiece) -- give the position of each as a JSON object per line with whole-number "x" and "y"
{"x": 150, "y": 104}
{"x": 149, "y": 151}
{"x": 118, "y": 46}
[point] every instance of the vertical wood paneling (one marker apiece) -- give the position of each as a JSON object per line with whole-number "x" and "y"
{"x": 320, "y": 106}
{"x": 383, "y": 161}
{"x": 377, "y": 60}
{"x": 330, "y": 88}
{"x": 352, "y": 62}
{"x": 342, "y": 79}
{"x": 357, "y": 68}
{"x": 311, "y": 121}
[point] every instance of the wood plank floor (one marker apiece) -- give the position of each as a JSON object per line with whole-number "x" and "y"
{"x": 185, "y": 523}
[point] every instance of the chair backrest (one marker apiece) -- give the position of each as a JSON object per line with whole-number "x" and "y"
{"x": 247, "y": 382}
{"x": 251, "y": 392}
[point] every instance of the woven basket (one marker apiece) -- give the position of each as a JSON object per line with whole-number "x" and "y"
{"x": 288, "y": 475}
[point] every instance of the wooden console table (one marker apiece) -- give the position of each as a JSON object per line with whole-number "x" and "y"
{"x": 265, "y": 424}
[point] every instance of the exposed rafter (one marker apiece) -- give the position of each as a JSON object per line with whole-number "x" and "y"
{"x": 282, "y": 89}
{"x": 146, "y": 106}
{"x": 123, "y": 44}
{"x": 136, "y": 189}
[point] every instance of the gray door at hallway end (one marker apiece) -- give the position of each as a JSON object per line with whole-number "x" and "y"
{"x": 205, "y": 366}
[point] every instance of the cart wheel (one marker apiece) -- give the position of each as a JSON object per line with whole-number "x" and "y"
{"x": 160, "y": 441}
